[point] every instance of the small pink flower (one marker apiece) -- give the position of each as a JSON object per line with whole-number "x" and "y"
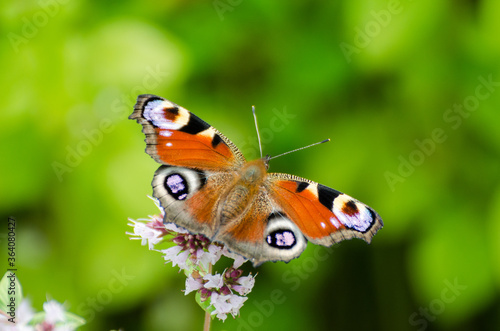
{"x": 213, "y": 281}
{"x": 238, "y": 259}
{"x": 192, "y": 284}
{"x": 147, "y": 234}
{"x": 226, "y": 304}
{"x": 236, "y": 302}
{"x": 245, "y": 285}
{"x": 177, "y": 256}
{"x": 54, "y": 312}
{"x": 25, "y": 312}
{"x": 211, "y": 257}
{"x": 221, "y": 304}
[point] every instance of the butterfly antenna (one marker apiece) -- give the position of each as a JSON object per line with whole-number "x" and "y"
{"x": 257, "y": 128}
{"x": 298, "y": 149}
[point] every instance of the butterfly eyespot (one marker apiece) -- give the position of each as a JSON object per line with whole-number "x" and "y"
{"x": 176, "y": 186}
{"x": 177, "y": 183}
{"x": 283, "y": 236}
{"x": 281, "y": 239}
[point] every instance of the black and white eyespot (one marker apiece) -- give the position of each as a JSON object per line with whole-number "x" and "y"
{"x": 281, "y": 239}
{"x": 176, "y": 186}
{"x": 177, "y": 183}
{"x": 284, "y": 236}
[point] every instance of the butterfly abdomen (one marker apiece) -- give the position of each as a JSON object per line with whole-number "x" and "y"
{"x": 235, "y": 204}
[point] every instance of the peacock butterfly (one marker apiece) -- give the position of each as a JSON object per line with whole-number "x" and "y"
{"x": 206, "y": 186}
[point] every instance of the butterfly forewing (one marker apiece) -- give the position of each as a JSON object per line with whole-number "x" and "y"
{"x": 325, "y": 216}
{"x": 175, "y": 136}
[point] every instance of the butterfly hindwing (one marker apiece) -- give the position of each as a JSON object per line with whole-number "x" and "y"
{"x": 175, "y": 136}
{"x": 189, "y": 197}
{"x": 264, "y": 234}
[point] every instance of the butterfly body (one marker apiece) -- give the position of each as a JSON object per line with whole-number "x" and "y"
{"x": 206, "y": 186}
{"x": 238, "y": 199}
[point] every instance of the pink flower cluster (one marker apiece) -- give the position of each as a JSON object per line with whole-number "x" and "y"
{"x": 194, "y": 254}
{"x": 227, "y": 292}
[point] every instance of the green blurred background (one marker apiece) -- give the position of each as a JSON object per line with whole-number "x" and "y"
{"x": 408, "y": 91}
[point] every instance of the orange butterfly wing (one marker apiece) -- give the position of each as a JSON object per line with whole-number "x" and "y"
{"x": 325, "y": 216}
{"x": 175, "y": 136}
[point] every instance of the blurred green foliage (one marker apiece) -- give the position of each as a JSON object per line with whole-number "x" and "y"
{"x": 378, "y": 77}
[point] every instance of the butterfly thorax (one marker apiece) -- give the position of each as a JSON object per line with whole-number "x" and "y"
{"x": 241, "y": 195}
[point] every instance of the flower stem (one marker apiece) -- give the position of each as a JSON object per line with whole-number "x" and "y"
{"x": 208, "y": 316}
{"x": 208, "y": 319}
